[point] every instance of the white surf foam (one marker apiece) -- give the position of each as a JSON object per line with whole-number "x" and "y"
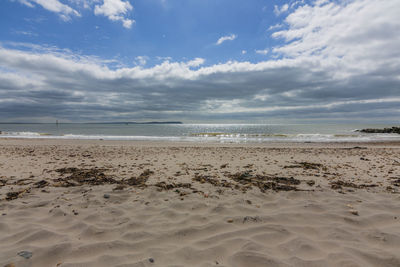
{"x": 217, "y": 137}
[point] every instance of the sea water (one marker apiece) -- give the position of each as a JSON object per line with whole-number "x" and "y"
{"x": 237, "y": 133}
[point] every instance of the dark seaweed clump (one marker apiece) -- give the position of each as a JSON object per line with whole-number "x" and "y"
{"x": 340, "y": 184}
{"x": 213, "y": 180}
{"x": 264, "y": 182}
{"x": 78, "y": 177}
{"x": 305, "y": 165}
{"x": 140, "y": 180}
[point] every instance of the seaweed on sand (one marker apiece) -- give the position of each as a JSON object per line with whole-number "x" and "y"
{"x": 264, "y": 182}
{"x": 78, "y": 177}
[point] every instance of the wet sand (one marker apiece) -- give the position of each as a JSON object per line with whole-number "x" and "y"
{"x": 124, "y": 203}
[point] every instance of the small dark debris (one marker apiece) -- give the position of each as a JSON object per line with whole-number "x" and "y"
{"x": 212, "y": 180}
{"x": 310, "y": 182}
{"x": 340, "y": 184}
{"x": 396, "y": 182}
{"x": 15, "y": 195}
{"x": 164, "y": 186}
{"x": 220, "y": 191}
{"x": 25, "y": 254}
{"x": 248, "y": 219}
{"x": 119, "y": 187}
{"x": 355, "y": 147}
{"x": 137, "y": 181}
{"x": 305, "y": 165}
{"x": 151, "y": 260}
{"x": 146, "y": 173}
{"x": 24, "y": 181}
{"x": 285, "y": 180}
{"x": 41, "y": 184}
{"x": 248, "y": 166}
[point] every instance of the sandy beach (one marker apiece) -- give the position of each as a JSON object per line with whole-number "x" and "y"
{"x": 116, "y": 203}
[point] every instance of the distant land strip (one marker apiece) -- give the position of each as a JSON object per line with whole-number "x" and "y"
{"x": 119, "y": 122}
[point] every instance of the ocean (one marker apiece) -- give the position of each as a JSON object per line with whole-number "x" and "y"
{"x": 223, "y": 133}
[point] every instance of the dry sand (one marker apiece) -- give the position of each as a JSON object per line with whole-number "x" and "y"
{"x": 103, "y": 203}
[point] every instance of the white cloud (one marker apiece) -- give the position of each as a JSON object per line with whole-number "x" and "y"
{"x": 296, "y": 3}
{"x": 115, "y": 10}
{"x": 26, "y": 33}
{"x": 64, "y": 11}
{"x": 274, "y": 27}
{"x": 244, "y": 52}
{"x": 164, "y": 58}
{"x": 262, "y": 52}
{"x": 279, "y": 10}
{"x": 340, "y": 60}
{"x": 226, "y": 38}
{"x": 195, "y": 62}
{"x": 141, "y": 60}
{"x": 85, "y": 3}
{"x": 352, "y": 36}
{"x": 26, "y": 2}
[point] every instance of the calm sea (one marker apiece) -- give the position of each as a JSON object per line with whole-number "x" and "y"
{"x": 200, "y": 132}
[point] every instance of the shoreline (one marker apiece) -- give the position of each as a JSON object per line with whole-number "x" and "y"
{"x": 55, "y": 141}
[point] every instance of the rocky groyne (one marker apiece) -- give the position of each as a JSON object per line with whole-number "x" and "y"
{"x": 384, "y": 130}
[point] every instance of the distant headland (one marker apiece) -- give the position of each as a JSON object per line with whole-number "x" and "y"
{"x": 135, "y": 122}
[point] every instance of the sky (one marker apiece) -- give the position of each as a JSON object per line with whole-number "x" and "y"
{"x": 254, "y": 61}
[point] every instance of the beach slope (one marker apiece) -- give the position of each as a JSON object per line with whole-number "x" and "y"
{"x": 103, "y": 203}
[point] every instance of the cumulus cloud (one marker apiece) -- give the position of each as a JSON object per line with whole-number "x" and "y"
{"x": 350, "y": 37}
{"x": 116, "y": 10}
{"x": 85, "y": 3}
{"x": 279, "y": 10}
{"x": 141, "y": 60}
{"x": 262, "y": 52}
{"x": 226, "y": 38}
{"x": 332, "y": 65}
{"x": 64, "y": 11}
{"x": 275, "y": 26}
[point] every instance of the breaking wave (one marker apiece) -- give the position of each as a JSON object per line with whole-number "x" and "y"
{"x": 215, "y": 137}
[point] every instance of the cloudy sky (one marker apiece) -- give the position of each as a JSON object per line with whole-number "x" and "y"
{"x": 200, "y": 60}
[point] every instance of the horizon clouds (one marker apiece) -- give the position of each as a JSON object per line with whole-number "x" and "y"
{"x": 335, "y": 61}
